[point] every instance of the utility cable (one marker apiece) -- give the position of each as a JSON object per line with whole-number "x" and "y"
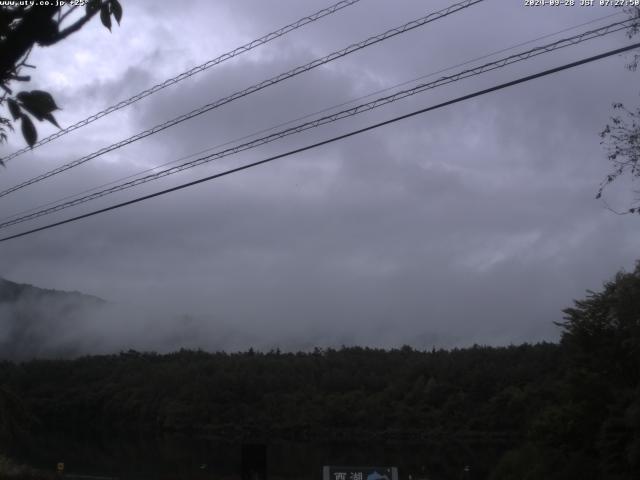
{"x": 259, "y": 86}
{"x": 189, "y": 73}
{"x": 304, "y": 117}
{"x": 328, "y": 119}
{"x": 331, "y": 140}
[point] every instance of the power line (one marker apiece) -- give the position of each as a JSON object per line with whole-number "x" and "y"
{"x": 331, "y": 140}
{"x": 289, "y": 122}
{"x": 254, "y": 88}
{"x": 189, "y": 73}
{"x": 515, "y": 58}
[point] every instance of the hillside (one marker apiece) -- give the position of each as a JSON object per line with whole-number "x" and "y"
{"x": 11, "y": 292}
{"x": 36, "y": 322}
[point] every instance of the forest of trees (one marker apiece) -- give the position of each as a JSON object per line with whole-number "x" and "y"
{"x": 477, "y": 396}
{"x": 568, "y": 410}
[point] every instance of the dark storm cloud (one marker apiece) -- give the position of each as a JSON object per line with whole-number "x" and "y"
{"x": 474, "y": 223}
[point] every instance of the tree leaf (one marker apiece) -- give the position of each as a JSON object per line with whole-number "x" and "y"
{"x": 50, "y": 118}
{"x": 28, "y": 130}
{"x": 45, "y": 99}
{"x": 38, "y": 103}
{"x": 14, "y": 108}
{"x": 104, "y": 16}
{"x": 116, "y": 10}
{"x": 92, "y": 6}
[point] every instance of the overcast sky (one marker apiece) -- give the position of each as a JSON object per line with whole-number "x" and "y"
{"x": 472, "y": 223}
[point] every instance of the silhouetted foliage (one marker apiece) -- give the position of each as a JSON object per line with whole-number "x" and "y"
{"x": 23, "y": 26}
{"x": 592, "y": 429}
{"x": 622, "y": 135}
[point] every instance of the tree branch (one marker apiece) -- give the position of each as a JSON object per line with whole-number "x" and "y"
{"x": 74, "y": 27}
{"x": 66, "y": 14}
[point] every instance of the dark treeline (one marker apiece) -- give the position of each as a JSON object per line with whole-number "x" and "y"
{"x": 550, "y": 411}
{"x": 354, "y": 391}
{"x": 477, "y": 397}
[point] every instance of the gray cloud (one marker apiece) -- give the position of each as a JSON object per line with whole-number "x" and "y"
{"x": 474, "y": 223}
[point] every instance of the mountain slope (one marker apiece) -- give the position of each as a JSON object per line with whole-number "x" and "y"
{"x": 40, "y": 322}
